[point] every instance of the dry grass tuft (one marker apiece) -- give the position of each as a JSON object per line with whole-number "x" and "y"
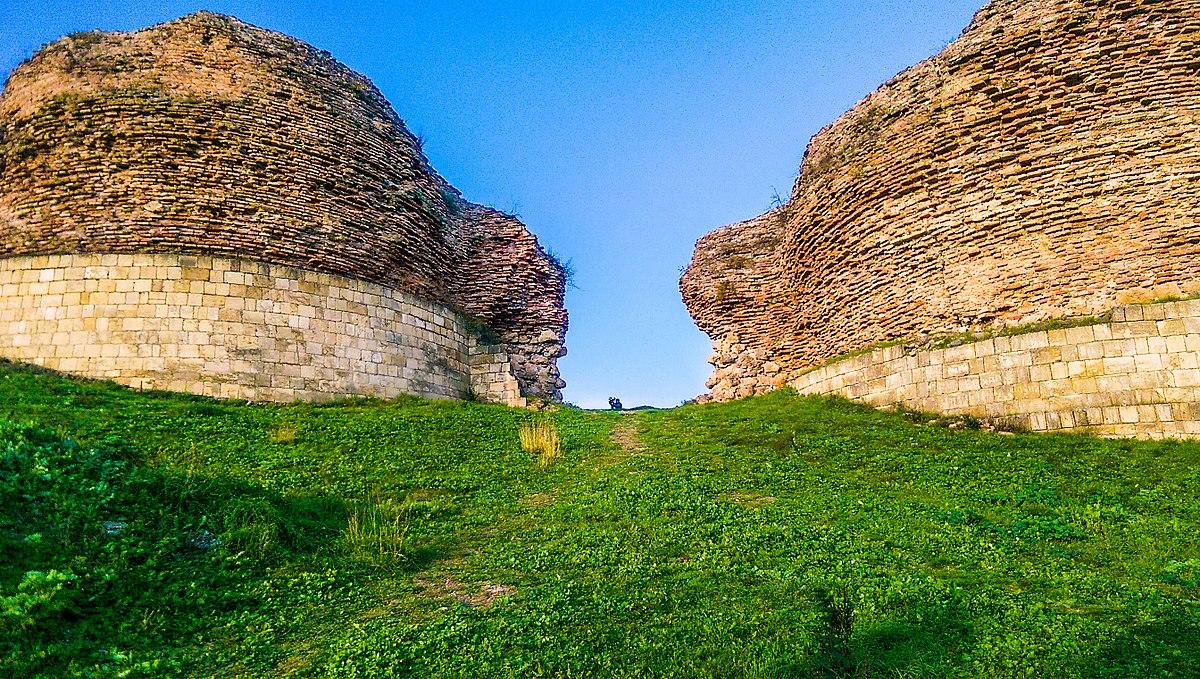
{"x": 540, "y": 438}
{"x": 284, "y": 435}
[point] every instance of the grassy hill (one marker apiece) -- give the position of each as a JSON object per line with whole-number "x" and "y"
{"x": 146, "y": 534}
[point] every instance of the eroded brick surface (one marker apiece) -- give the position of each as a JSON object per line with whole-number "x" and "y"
{"x": 1044, "y": 165}
{"x": 207, "y": 136}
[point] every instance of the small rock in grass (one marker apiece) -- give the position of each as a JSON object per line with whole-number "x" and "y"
{"x": 203, "y": 539}
{"x": 114, "y": 527}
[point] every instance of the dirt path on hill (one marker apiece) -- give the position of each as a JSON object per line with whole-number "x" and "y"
{"x": 626, "y": 436}
{"x": 629, "y": 444}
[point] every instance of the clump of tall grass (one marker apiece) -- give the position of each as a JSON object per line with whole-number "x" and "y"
{"x": 377, "y": 529}
{"x": 540, "y": 438}
{"x": 835, "y": 652}
{"x": 251, "y": 525}
{"x": 283, "y": 435}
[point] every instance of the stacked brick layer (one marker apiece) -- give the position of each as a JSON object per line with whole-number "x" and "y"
{"x": 1044, "y": 165}
{"x": 1136, "y": 376}
{"x": 239, "y": 329}
{"x": 209, "y": 136}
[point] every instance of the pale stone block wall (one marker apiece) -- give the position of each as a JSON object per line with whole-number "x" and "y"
{"x": 235, "y": 328}
{"x": 1136, "y": 376}
{"x": 493, "y": 377}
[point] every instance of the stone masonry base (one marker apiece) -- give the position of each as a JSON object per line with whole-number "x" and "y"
{"x": 235, "y": 328}
{"x": 1136, "y": 376}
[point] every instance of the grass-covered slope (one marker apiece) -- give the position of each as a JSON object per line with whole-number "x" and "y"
{"x": 155, "y": 535}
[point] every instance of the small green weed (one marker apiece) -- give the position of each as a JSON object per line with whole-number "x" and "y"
{"x": 39, "y": 596}
{"x": 723, "y": 292}
{"x": 86, "y": 38}
{"x": 735, "y": 262}
{"x": 565, "y": 265}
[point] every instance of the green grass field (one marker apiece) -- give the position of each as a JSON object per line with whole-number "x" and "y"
{"x": 159, "y": 535}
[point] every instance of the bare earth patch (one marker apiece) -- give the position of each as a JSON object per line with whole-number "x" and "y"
{"x": 626, "y": 436}
{"x": 483, "y": 597}
{"x": 537, "y": 500}
{"x": 750, "y": 500}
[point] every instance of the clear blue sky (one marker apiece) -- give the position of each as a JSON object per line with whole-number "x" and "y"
{"x": 620, "y": 132}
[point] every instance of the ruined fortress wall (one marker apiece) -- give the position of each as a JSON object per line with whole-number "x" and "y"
{"x": 235, "y": 328}
{"x": 1138, "y": 375}
{"x": 522, "y": 302}
{"x": 1044, "y": 165}
{"x": 208, "y": 136}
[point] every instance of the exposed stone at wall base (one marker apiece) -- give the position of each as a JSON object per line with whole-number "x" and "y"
{"x": 493, "y": 377}
{"x": 741, "y": 371}
{"x": 235, "y": 328}
{"x": 1137, "y": 376}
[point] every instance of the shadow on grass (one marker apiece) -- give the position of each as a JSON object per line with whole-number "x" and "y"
{"x": 100, "y": 551}
{"x": 928, "y": 641}
{"x": 920, "y": 642}
{"x": 1168, "y": 647}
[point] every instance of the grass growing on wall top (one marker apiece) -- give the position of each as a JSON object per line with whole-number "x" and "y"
{"x": 779, "y": 536}
{"x": 1023, "y": 329}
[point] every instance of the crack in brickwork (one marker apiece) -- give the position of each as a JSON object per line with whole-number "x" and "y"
{"x": 1043, "y": 165}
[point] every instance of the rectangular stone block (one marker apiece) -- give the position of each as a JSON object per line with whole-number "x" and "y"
{"x": 1120, "y": 364}
{"x": 1080, "y": 335}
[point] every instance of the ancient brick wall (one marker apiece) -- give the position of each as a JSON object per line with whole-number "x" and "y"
{"x": 1138, "y": 375}
{"x": 235, "y": 328}
{"x": 523, "y": 304}
{"x": 1043, "y": 165}
{"x": 207, "y": 136}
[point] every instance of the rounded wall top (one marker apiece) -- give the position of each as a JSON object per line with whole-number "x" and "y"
{"x": 209, "y": 135}
{"x": 206, "y": 135}
{"x": 1043, "y": 165}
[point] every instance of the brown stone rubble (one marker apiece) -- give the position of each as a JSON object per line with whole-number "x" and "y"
{"x": 1044, "y": 165}
{"x": 209, "y": 136}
